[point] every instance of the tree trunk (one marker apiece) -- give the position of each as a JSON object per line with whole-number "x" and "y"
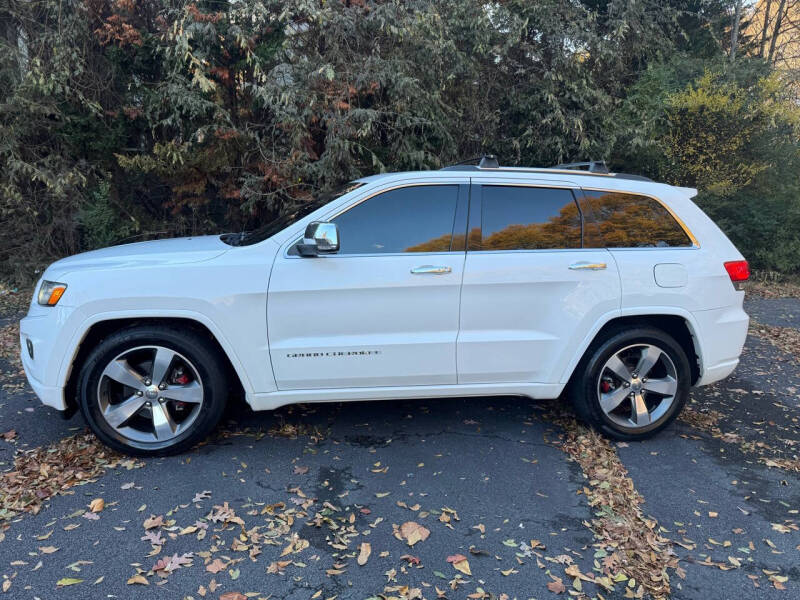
{"x": 776, "y": 32}
{"x": 737, "y": 16}
{"x": 764, "y": 30}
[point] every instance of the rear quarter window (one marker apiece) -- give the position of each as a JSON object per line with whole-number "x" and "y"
{"x": 624, "y": 220}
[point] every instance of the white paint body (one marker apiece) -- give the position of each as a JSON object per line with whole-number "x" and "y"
{"x": 351, "y": 327}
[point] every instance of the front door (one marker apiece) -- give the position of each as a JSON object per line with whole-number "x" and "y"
{"x": 532, "y": 291}
{"x": 383, "y": 311}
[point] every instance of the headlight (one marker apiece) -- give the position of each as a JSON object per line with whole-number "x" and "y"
{"x": 50, "y": 292}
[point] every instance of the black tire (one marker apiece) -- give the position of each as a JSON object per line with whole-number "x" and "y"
{"x": 583, "y": 389}
{"x": 204, "y": 357}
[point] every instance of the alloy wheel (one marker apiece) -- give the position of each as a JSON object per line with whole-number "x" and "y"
{"x": 637, "y": 386}
{"x": 150, "y": 394}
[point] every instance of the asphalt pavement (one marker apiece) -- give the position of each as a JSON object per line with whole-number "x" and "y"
{"x": 279, "y": 505}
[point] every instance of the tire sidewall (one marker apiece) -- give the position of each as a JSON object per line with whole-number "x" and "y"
{"x": 190, "y": 345}
{"x": 605, "y": 351}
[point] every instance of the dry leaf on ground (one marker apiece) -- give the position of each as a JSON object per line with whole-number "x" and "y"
{"x": 364, "y": 552}
{"x": 460, "y": 563}
{"x": 413, "y": 532}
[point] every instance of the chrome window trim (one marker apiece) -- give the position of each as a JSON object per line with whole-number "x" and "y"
{"x": 537, "y": 250}
{"x": 376, "y": 255}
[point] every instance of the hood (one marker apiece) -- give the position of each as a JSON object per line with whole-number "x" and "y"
{"x": 173, "y": 251}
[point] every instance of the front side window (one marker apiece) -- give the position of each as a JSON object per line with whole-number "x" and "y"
{"x": 409, "y": 219}
{"x": 622, "y": 220}
{"x": 527, "y": 218}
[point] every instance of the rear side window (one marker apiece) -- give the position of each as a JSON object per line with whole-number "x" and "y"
{"x": 527, "y": 218}
{"x": 410, "y": 219}
{"x": 621, "y": 220}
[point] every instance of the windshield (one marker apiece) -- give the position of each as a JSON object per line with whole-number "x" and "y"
{"x": 289, "y": 218}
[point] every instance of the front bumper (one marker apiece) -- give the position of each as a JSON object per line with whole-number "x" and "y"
{"x": 40, "y": 331}
{"x": 49, "y": 395}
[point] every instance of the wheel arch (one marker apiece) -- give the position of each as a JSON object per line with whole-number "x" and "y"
{"x": 100, "y": 329}
{"x": 679, "y": 326}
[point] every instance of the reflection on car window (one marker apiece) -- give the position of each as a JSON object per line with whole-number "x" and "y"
{"x": 621, "y": 220}
{"x": 409, "y": 219}
{"x": 527, "y": 218}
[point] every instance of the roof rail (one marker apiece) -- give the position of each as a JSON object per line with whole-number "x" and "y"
{"x": 484, "y": 161}
{"x": 592, "y": 167}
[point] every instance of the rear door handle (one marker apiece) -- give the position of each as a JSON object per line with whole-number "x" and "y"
{"x": 587, "y": 266}
{"x": 430, "y": 270}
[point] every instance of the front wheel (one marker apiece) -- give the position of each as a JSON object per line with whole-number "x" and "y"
{"x": 151, "y": 391}
{"x": 632, "y": 384}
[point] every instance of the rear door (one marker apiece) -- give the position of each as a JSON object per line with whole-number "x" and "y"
{"x": 531, "y": 291}
{"x": 383, "y": 311}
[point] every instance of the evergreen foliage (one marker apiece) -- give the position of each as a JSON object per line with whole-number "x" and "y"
{"x": 129, "y": 119}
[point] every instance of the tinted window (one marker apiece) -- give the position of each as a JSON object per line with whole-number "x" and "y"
{"x": 619, "y": 220}
{"x": 528, "y": 218}
{"x": 410, "y": 219}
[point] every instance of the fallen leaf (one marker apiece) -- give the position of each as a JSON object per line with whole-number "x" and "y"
{"x": 153, "y": 522}
{"x": 413, "y": 532}
{"x": 460, "y": 563}
{"x": 216, "y": 566}
{"x": 97, "y": 505}
{"x": 65, "y": 581}
{"x": 364, "y": 553}
{"x": 204, "y": 495}
{"x": 277, "y": 567}
{"x": 138, "y": 579}
{"x": 169, "y": 564}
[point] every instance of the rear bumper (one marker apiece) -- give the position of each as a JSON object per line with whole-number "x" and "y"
{"x": 723, "y": 332}
{"x": 717, "y": 372}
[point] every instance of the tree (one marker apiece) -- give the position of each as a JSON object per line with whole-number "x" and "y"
{"x": 129, "y": 119}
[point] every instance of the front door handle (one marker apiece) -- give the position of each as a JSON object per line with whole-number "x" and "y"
{"x": 430, "y": 270}
{"x": 587, "y": 266}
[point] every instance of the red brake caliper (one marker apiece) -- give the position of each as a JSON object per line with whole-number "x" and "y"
{"x": 180, "y": 378}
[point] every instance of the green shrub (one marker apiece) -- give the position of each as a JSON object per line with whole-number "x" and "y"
{"x": 100, "y": 221}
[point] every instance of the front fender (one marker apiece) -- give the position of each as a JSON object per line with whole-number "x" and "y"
{"x": 81, "y": 331}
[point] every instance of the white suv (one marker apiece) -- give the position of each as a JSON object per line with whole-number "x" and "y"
{"x": 468, "y": 281}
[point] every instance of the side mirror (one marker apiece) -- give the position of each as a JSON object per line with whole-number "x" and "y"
{"x": 319, "y": 238}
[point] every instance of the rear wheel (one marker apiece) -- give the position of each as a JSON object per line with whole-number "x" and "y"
{"x": 632, "y": 384}
{"x": 152, "y": 390}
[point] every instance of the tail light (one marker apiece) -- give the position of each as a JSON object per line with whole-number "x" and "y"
{"x": 739, "y": 272}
